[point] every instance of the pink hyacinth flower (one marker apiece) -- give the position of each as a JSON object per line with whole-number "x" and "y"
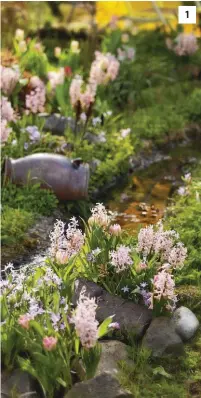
{"x": 24, "y": 321}
{"x": 115, "y": 229}
{"x": 49, "y": 343}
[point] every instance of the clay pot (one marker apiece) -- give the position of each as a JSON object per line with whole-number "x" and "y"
{"x": 67, "y": 178}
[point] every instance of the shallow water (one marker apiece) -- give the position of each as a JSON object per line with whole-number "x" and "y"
{"x": 143, "y": 198}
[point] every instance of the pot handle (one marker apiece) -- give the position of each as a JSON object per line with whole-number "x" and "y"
{"x": 76, "y": 163}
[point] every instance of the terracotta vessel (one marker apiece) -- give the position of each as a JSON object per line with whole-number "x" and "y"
{"x": 67, "y": 178}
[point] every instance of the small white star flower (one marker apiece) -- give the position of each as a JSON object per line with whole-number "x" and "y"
{"x": 125, "y": 289}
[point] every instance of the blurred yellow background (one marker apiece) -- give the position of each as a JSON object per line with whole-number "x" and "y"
{"x": 154, "y": 12}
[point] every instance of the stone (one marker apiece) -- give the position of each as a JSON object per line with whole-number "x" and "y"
{"x": 161, "y": 338}
{"x": 95, "y": 138}
{"x": 185, "y": 323}
{"x": 92, "y": 289}
{"x": 113, "y": 351}
{"x": 102, "y": 386}
{"x": 57, "y": 124}
{"x": 132, "y": 318}
{"x": 18, "y": 382}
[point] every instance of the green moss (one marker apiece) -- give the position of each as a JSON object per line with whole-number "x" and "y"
{"x": 185, "y": 217}
{"x": 194, "y": 105}
{"x": 21, "y": 207}
{"x": 29, "y": 198}
{"x": 14, "y": 224}
{"x": 154, "y": 377}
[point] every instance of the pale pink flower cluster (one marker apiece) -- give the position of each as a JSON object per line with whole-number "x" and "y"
{"x": 66, "y": 245}
{"x": 163, "y": 285}
{"x": 128, "y": 53}
{"x": 121, "y": 259}
{"x": 99, "y": 216}
{"x": 84, "y": 319}
{"x": 36, "y": 82}
{"x": 35, "y": 101}
{"x": 186, "y": 44}
{"x": 49, "y": 343}
{"x": 9, "y": 79}
{"x": 24, "y": 321}
{"x": 114, "y": 325}
{"x": 75, "y": 238}
{"x": 105, "y": 68}
{"x": 187, "y": 178}
{"x": 115, "y": 229}
{"x": 56, "y": 237}
{"x": 56, "y": 77}
{"x": 182, "y": 191}
{"x": 79, "y": 95}
{"x": 177, "y": 255}
{"x": 5, "y": 131}
{"x": 163, "y": 243}
{"x": 7, "y": 115}
{"x": 125, "y": 132}
{"x": 145, "y": 240}
{"x": 62, "y": 257}
{"x": 7, "y": 112}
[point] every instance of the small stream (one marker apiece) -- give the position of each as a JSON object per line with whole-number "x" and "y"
{"x": 143, "y": 199}
{"x": 139, "y": 200}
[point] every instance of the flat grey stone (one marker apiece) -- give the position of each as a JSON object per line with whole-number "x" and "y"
{"x": 161, "y": 338}
{"x": 56, "y": 124}
{"x": 18, "y": 382}
{"x": 131, "y": 317}
{"x": 113, "y": 351}
{"x": 92, "y": 289}
{"x": 185, "y": 322}
{"x": 95, "y": 138}
{"x": 102, "y": 386}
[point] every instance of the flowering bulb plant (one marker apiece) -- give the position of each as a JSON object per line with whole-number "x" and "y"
{"x": 42, "y": 332}
{"x": 183, "y": 45}
{"x": 143, "y": 272}
{"x": 70, "y": 58}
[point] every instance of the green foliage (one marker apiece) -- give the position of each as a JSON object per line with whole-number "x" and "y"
{"x": 155, "y": 378}
{"x": 157, "y": 122}
{"x": 194, "y": 105}
{"x": 35, "y": 62}
{"x": 112, "y": 41}
{"x": 24, "y": 344}
{"x": 21, "y": 206}
{"x": 14, "y": 224}
{"x": 184, "y": 216}
{"x": 30, "y": 198}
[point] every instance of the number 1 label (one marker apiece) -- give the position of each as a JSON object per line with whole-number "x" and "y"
{"x": 187, "y": 14}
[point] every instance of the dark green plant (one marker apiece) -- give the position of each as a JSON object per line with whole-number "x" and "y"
{"x": 194, "y": 105}
{"x": 14, "y": 224}
{"x": 30, "y": 198}
{"x": 34, "y": 61}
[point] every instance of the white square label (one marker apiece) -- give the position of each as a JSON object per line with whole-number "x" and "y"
{"x": 187, "y": 14}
